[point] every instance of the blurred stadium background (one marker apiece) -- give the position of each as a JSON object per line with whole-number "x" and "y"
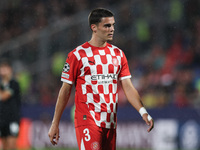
{"x": 161, "y": 40}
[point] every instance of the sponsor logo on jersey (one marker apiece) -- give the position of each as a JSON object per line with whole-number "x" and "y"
{"x": 91, "y": 62}
{"x": 66, "y": 67}
{"x": 104, "y": 77}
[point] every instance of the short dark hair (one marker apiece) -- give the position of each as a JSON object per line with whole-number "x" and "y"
{"x": 5, "y": 62}
{"x": 98, "y": 13}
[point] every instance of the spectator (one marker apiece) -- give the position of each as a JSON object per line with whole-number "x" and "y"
{"x": 10, "y": 103}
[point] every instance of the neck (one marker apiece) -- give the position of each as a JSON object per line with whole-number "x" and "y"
{"x": 97, "y": 43}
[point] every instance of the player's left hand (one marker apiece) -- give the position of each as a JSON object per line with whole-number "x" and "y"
{"x": 149, "y": 121}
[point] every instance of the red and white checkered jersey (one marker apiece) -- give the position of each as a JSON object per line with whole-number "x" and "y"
{"x": 95, "y": 72}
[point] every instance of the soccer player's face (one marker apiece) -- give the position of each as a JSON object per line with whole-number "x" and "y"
{"x": 5, "y": 71}
{"x": 105, "y": 29}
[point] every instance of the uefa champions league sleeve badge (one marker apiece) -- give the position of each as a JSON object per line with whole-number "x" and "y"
{"x": 66, "y": 67}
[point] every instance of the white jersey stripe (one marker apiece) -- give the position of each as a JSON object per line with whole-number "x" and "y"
{"x": 82, "y": 145}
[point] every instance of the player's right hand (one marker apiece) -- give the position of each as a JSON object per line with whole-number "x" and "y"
{"x": 54, "y": 134}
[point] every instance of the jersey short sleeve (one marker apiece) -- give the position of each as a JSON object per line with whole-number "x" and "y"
{"x": 69, "y": 73}
{"x": 125, "y": 72}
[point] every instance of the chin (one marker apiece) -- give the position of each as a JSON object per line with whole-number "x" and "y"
{"x": 109, "y": 39}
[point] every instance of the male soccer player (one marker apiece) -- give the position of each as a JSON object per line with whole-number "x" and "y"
{"x": 95, "y": 68}
{"x": 9, "y": 107}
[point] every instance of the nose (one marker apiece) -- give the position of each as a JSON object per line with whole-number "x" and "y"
{"x": 112, "y": 28}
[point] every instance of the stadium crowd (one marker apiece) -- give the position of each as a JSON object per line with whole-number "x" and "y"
{"x": 161, "y": 40}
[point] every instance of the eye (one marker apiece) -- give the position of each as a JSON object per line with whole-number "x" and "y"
{"x": 107, "y": 25}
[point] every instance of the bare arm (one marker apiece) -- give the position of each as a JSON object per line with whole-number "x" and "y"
{"x": 62, "y": 101}
{"x": 131, "y": 94}
{"x": 135, "y": 100}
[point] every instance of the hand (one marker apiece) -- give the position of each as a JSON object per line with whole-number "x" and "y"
{"x": 54, "y": 134}
{"x": 150, "y": 123}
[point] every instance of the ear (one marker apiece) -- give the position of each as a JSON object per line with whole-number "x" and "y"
{"x": 94, "y": 27}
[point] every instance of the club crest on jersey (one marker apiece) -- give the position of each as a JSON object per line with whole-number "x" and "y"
{"x": 115, "y": 62}
{"x": 66, "y": 67}
{"x": 95, "y": 146}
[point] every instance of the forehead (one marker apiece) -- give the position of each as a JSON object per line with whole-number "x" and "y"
{"x": 4, "y": 66}
{"x": 106, "y": 20}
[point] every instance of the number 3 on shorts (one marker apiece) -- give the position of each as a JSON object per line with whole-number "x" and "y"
{"x": 87, "y": 134}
